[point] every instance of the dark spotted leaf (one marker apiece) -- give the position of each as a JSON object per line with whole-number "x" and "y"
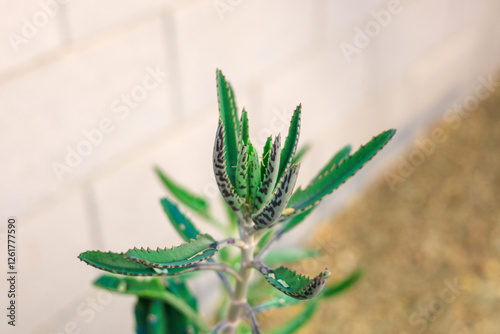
{"x": 270, "y": 177}
{"x": 273, "y": 209}
{"x": 304, "y": 199}
{"x": 228, "y": 115}
{"x": 296, "y": 285}
{"x": 189, "y": 253}
{"x": 219, "y": 164}
{"x": 265, "y": 156}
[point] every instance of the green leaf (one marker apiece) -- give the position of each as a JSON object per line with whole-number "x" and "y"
{"x": 192, "y": 201}
{"x": 334, "y": 161}
{"x": 254, "y": 179}
{"x": 278, "y": 302}
{"x": 266, "y": 156}
{"x": 241, "y": 185}
{"x": 221, "y": 177}
{"x": 182, "y": 225}
{"x": 244, "y": 132}
{"x": 271, "y": 175}
{"x": 297, "y": 218}
{"x": 291, "y": 143}
{"x": 152, "y": 289}
{"x": 300, "y": 153}
{"x": 296, "y": 285}
{"x": 157, "y": 318}
{"x": 117, "y": 263}
{"x": 336, "y": 288}
{"x": 141, "y": 310}
{"x": 288, "y": 255}
{"x": 177, "y": 322}
{"x": 273, "y": 209}
{"x": 303, "y": 199}
{"x": 299, "y": 320}
{"x": 202, "y": 248}
{"x": 229, "y": 117}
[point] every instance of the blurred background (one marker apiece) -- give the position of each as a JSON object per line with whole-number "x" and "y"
{"x": 94, "y": 94}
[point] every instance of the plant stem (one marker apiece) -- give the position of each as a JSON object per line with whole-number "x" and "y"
{"x": 239, "y": 298}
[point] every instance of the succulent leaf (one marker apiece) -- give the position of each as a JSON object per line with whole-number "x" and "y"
{"x": 296, "y": 285}
{"x": 273, "y": 209}
{"x": 192, "y": 201}
{"x": 229, "y": 117}
{"x": 301, "y": 153}
{"x": 304, "y": 199}
{"x": 244, "y": 132}
{"x": 189, "y": 253}
{"x": 157, "y": 317}
{"x": 141, "y": 310}
{"x": 242, "y": 172}
{"x": 291, "y": 143}
{"x": 338, "y": 287}
{"x": 299, "y": 320}
{"x": 153, "y": 290}
{"x": 271, "y": 175}
{"x": 181, "y": 223}
{"x": 221, "y": 177}
{"x": 117, "y": 263}
{"x": 254, "y": 175}
{"x": 334, "y": 161}
{"x": 265, "y": 156}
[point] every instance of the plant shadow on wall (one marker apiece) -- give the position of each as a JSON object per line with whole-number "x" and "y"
{"x": 261, "y": 208}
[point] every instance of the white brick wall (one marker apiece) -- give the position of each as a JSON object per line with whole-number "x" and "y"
{"x": 83, "y": 63}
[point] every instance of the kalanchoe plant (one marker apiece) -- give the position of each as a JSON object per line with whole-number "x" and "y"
{"x": 262, "y": 206}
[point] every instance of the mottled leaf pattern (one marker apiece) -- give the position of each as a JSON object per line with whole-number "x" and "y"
{"x": 291, "y": 143}
{"x": 266, "y": 189}
{"x": 273, "y": 209}
{"x": 303, "y": 199}
{"x": 296, "y": 285}
{"x": 203, "y": 247}
{"x": 221, "y": 177}
{"x": 229, "y": 117}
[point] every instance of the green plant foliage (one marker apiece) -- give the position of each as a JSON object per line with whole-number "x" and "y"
{"x": 262, "y": 204}
{"x": 189, "y": 253}
{"x": 296, "y": 285}
{"x": 303, "y": 199}
{"x": 192, "y": 201}
{"x": 182, "y": 225}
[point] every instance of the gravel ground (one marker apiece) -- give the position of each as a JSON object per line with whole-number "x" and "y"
{"x": 427, "y": 237}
